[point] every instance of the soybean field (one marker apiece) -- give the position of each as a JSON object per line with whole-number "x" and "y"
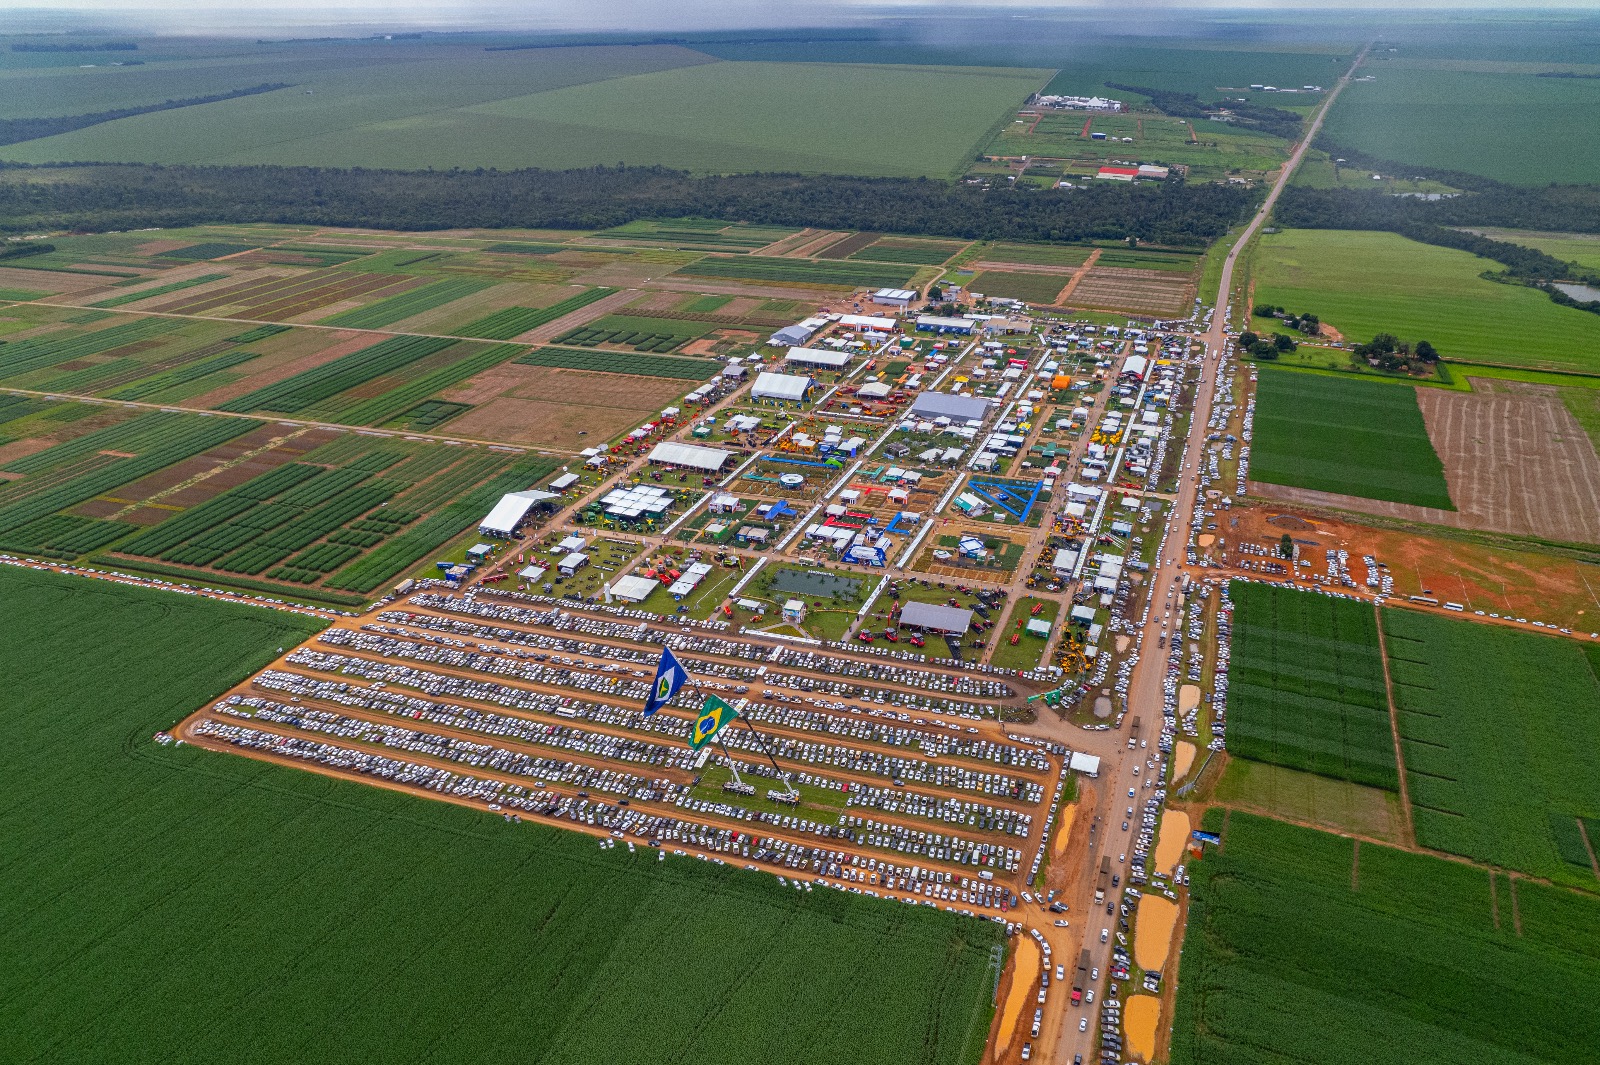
{"x": 1307, "y": 689}
{"x": 1359, "y": 438}
{"x": 1500, "y": 733}
{"x": 191, "y": 876}
{"x": 1302, "y": 948}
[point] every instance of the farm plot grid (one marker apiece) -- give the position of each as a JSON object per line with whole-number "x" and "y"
{"x": 539, "y": 714}
{"x": 1359, "y": 438}
{"x": 1500, "y": 733}
{"x": 845, "y": 273}
{"x": 1307, "y": 689}
{"x": 356, "y": 896}
{"x": 1399, "y": 957}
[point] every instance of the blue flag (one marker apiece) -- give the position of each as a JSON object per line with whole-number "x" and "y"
{"x": 670, "y": 676}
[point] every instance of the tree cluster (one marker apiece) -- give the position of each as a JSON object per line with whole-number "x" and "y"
{"x": 1309, "y": 324}
{"x": 131, "y": 196}
{"x": 1388, "y": 352}
{"x": 1270, "y": 347}
{"x": 18, "y": 249}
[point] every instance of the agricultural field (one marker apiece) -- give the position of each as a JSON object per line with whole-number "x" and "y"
{"x": 1349, "y": 436}
{"x": 313, "y": 514}
{"x": 659, "y": 335}
{"x": 1010, "y": 284}
{"x": 1513, "y": 127}
{"x": 1580, "y": 248}
{"x": 1307, "y": 689}
{"x": 1306, "y": 947}
{"x": 1211, "y": 151}
{"x": 138, "y": 914}
{"x": 1028, "y": 254}
{"x": 1162, "y": 291}
{"x": 842, "y": 272}
{"x": 1500, "y": 734}
{"x": 1364, "y": 283}
{"x": 909, "y": 250}
{"x": 408, "y": 107}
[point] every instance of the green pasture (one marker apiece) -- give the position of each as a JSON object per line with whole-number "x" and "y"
{"x": 1580, "y": 248}
{"x": 1363, "y": 283}
{"x": 1517, "y": 128}
{"x": 175, "y": 904}
{"x": 1310, "y": 948}
{"x": 1345, "y": 435}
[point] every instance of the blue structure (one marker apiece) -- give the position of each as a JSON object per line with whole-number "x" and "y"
{"x": 1013, "y": 498}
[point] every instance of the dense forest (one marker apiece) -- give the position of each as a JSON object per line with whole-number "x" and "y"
{"x": 15, "y": 130}
{"x": 128, "y": 196}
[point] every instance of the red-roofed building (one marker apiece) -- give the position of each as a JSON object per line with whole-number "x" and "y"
{"x": 1118, "y": 173}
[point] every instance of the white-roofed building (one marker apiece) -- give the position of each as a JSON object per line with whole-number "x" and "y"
{"x": 512, "y": 510}
{"x": 633, "y": 588}
{"x": 934, "y": 323}
{"x": 945, "y": 405}
{"x": 789, "y": 388}
{"x": 692, "y": 456}
{"x": 936, "y": 618}
{"x": 894, "y": 297}
{"x": 874, "y": 390}
{"x": 828, "y": 360}
{"x": 572, "y": 563}
{"x": 869, "y": 321}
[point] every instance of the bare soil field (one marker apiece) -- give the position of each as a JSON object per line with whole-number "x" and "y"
{"x": 1514, "y": 457}
{"x": 528, "y": 405}
{"x": 1151, "y": 291}
{"x": 1484, "y": 577}
{"x": 49, "y": 281}
{"x": 845, "y": 248}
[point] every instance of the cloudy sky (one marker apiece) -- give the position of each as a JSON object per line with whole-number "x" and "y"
{"x": 247, "y": 16}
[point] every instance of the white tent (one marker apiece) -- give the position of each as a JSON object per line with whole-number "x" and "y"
{"x": 510, "y": 512}
{"x": 632, "y": 588}
{"x": 788, "y": 387}
{"x": 694, "y": 456}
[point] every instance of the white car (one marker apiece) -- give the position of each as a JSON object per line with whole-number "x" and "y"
{"x": 1083, "y": 1024}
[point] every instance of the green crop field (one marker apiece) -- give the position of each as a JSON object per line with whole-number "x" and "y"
{"x": 1307, "y": 688}
{"x": 1032, "y": 254}
{"x": 35, "y": 510}
{"x": 842, "y": 272}
{"x": 320, "y": 382}
{"x": 627, "y": 362}
{"x": 1580, "y": 248}
{"x": 1011, "y": 284}
{"x": 1300, "y": 950}
{"x": 659, "y": 335}
{"x": 556, "y": 107}
{"x": 1355, "y": 437}
{"x": 1516, "y": 128}
{"x": 174, "y": 904}
{"x": 513, "y": 321}
{"x": 903, "y": 250}
{"x": 387, "y": 311}
{"x": 1500, "y": 734}
{"x": 1364, "y": 283}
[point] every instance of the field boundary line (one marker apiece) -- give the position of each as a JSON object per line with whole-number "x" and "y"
{"x": 1408, "y": 827}
{"x": 1079, "y": 275}
{"x": 1588, "y": 845}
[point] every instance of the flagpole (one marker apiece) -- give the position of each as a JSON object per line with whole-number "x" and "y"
{"x": 765, "y": 749}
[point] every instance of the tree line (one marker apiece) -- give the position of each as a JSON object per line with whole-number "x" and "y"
{"x": 16, "y": 130}
{"x": 106, "y": 196}
{"x": 1274, "y": 121}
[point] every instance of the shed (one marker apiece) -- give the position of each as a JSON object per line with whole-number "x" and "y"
{"x": 693, "y": 456}
{"x": 934, "y": 323}
{"x": 894, "y": 297}
{"x": 1085, "y": 763}
{"x": 787, "y": 387}
{"x": 572, "y": 563}
{"x": 564, "y": 482}
{"x": 874, "y": 390}
{"x": 868, "y": 321}
{"x": 632, "y": 588}
{"x": 945, "y": 405}
{"x": 936, "y": 618}
{"x": 532, "y": 573}
{"x": 832, "y": 360}
{"x": 1038, "y": 627}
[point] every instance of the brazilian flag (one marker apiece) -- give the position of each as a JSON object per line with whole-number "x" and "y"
{"x": 713, "y": 716}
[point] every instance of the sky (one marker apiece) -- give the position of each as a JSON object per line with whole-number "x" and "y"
{"x": 245, "y": 17}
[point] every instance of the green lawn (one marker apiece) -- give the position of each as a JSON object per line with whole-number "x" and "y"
{"x": 1353, "y": 436}
{"x": 1517, "y": 128}
{"x": 1580, "y": 248}
{"x": 178, "y": 905}
{"x": 1500, "y": 733}
{"x": 1363, "y": 283}
{"x": 1299, "y": 949}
